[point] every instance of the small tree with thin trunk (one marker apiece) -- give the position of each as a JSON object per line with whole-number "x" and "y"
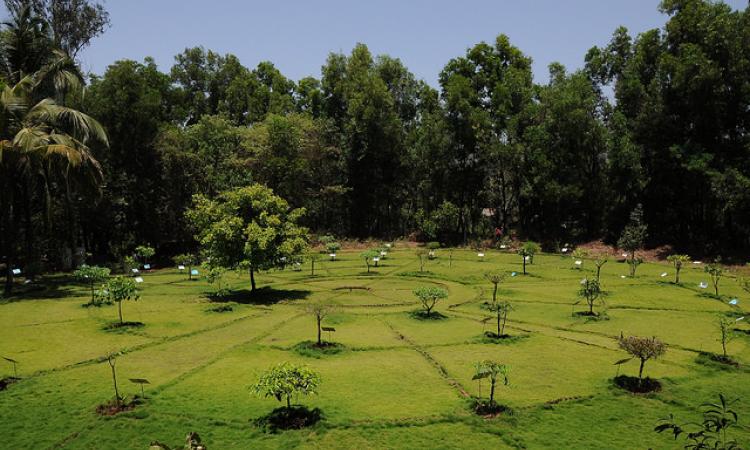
{"x": 633, "y": 237}
{"x": 677, "y": 261}
{"x": 112, "y": 361}
{"x": 188, "y": 260}
{"x": 429, "y": 297}
{"x": 501, "y": 311}
{"x": 599, "y": 263}
{"x": 333, "y": 247}
{"x": 726, "y": 333}
{"x": 92, "y": 275}
{"x": 368, "y": 257}
{"x": 715, "y": 271}
{"x": 313, "y": 257}
{"x": 527, "y": 252}
{"x": 320, "y": 311}
{"x": 117, "y": 290}
{"x": 590, "y": 292}
{"x": 495, "y": 372}
{"x": 421, "y": 254}
{"x": 287, "y": 380}
{"x": 495, "y": 279}
{"x": 643, "y": 349}
{"x": 144, "y": 253}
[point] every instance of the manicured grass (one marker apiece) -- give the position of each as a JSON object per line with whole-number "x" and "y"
{"x": 397, "y": 382}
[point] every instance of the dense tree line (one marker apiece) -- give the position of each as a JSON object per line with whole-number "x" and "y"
{"x": 369, "y": 150}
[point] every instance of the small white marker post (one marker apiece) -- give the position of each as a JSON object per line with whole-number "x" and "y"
{"x": 333, "y": 256}
{"x": 138, "y": 279}
{"x": 194, "y": 272}
{"x": 16, "y": 272}
{"x": 180, "y": 267}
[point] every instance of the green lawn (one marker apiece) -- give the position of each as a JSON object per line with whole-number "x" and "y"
{"x": 400, "y": 382}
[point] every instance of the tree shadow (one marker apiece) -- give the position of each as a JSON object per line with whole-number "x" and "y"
{"x": 289, "y": 418}
{"x": 45, "y": 288}
{"x": 636, "y": 385}
{"x": 261, "y": 296}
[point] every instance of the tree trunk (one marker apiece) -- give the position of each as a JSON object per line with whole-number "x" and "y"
{"x": 492, "y": 391}
{"x": 320, "y": 343}
{"x": 252, "y": 278}
{"x": 676, "y": 275}
{"x": 494, "y": 295}
{"x": 288, "y": 401}
{"x": 640, "y": 371}
{"x": 498, "y": 324}
{"x": 114, "y": 381}
{"x": 505, "y": 319}
{"x": 8, "y": 235}
{"x": 119, "y": 310}
{"x": 524, "y": 264}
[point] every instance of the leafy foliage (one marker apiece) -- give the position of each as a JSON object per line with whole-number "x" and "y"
{"x": 286, "y": 380}
{"x": 429, "y": 297}
{"x": 91, "y": 275}
{"x": 678, "y": 261}
{"x": 642, "y": 348}
{"x": 248, "y": 227}
{"x": 718, "y": 419}
{"x": 118, "y": 289}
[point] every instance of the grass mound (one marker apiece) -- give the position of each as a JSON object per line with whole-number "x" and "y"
{"x": 637, "y": 385}
{"x": 312, "y": 349}
{"x": 591, "y": 316}
{"x": 289, "y": 418}
{"x": 114, "y": 326}
{"x": 490, "y": 337}
{"x": 351, "y": 288}
{"x": 713, "y": 359}
{"x": 483, "y": 407}
{"x": 113, "y": 407}
{"x": 221, "y": 308}
{"x": 422, "y": 315}
{"x": 5, "y": 382}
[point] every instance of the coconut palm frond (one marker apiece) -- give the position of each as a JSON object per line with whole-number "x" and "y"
{"x": 83, "y": 126}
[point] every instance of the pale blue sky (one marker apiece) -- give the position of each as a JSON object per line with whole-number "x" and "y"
{"x": 298, "y": 35}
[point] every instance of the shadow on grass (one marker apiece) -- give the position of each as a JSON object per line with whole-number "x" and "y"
{"x": 288, "y": 418}
{"x": 717, "y": 361}
{"x": 261, "y": 296}
{"x": 45, "y": 288}
{"x": 313, "y": 350}
{"x": 421, "y": 314}
{"x": 5, "y": 382}
{"x": 123, "y": 326}
{"x": 637, "y": 385}
{"x": 591, "y": 316}
{"x": 490, "y": 337}
{"x": 113, "y": 407}
{"x": 225, "y": 307}
{"x": 485, "y": 408}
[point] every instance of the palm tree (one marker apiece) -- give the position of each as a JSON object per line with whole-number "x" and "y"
{"x": 40, "y": 137}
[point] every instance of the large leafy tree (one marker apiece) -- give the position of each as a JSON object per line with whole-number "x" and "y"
{"x": 73, "y": 23}
{"x": 248, "y": 227}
